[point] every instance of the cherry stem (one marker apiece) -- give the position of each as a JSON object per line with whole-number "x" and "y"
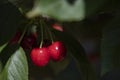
{"x": 24, "y": 32}
{"x": 41, "y": 34}
{"x": 50, "y": 33}
{"x": 22, "y": 35}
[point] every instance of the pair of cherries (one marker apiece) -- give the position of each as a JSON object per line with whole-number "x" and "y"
{"x": 41, "y": 56}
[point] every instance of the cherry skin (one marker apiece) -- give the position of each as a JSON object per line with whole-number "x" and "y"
{"x": 28, "y": 41}
{"x": 57, "y": 51}
{"x": 40, "y": 56}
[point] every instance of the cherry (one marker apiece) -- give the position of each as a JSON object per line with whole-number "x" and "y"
{"x": 28, "y": 41}
{"x": 16, "y": 37}
{"x": 40, "y": 56}
{"x": 57, "y": 51}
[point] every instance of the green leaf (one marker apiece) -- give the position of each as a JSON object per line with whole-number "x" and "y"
{"x": 3, "y": 46}
{"x": 16, "y": 67}
{"x": 110, "y": 46}
{"x": 79, "y": 55}
{"x": 10, "y": 20}
{"x": 65, "y": 11}
{"x": 59, "y": 9}
{"x": 7, "y": 52}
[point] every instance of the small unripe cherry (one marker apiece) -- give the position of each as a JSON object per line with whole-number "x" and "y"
{"x": 57, "y": 51}
{"x": 40, "y": 56}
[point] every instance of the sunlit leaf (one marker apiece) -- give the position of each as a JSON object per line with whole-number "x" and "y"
{"x": 59, "y": 9}
{"x": 7, "y": 52}
{"x": 16, "y": 67}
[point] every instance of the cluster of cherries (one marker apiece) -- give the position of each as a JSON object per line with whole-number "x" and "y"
{"x": 55, "y": 51}
{"x": 41, "y": 56}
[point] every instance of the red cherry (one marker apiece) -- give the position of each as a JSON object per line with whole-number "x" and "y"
{"x": 57, "y": 51}
{"x": 40, "y": 56}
